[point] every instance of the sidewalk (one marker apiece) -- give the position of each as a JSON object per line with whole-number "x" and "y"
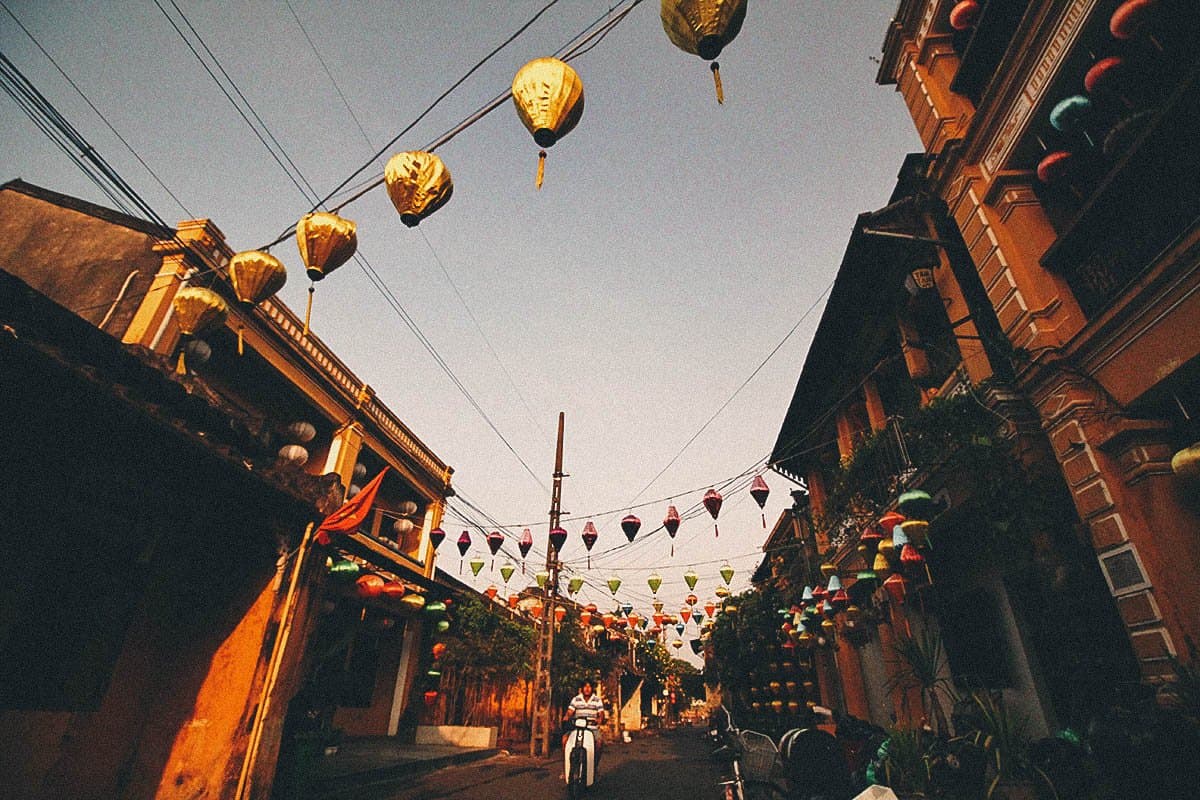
{"x": 380, "y": 760}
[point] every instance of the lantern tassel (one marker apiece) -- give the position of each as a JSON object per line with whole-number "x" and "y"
{"x": 308, "y": 309}
{"x": 241, "y": 340}
{"x": 716, "y": 71}
{"x": 180, "y": 365}
{"x": 672, "y": 548}
{"x": 716, "y": 530}
{"x": 764, "y": 518}
{"x": 541, "y": 170}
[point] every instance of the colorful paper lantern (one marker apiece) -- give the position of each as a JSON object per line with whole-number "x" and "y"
{"x": 548, "y": 96}
{"x": 631, "y": 525}
{"x": 691, "y": 578}
{"x": 703, "y": 28}
{"x": 418, "y": 184}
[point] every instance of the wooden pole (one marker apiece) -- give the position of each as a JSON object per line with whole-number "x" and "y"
{"x": 539, "y": 735}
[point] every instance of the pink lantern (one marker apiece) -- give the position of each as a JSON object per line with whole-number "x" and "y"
{"x": 965, "y": 15}
{"x": 524, "y": 546}
{"x": 759, "y": 491}
{"x": 671, "y": 524}
{"x": 631, "y": 525}
{"x": 494, "y": 541}
{"x": 558, "y": 537}
{"x": 712, "y": 502}
{"x": 464, "y": 544}
{"x": 436, "y": 537}
{"x": 590, "y": 535}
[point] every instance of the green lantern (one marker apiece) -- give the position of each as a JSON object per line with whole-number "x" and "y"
{"x": 726, "y": 573}
{"x": 436, "y": 607}
{"x": 574, "y": 585}
{"x": 690, "y": 578}
{"x": 541, "y": 578}
{"x": 345, "y": 570}
{"x": 476, "y": 564}
{"x": 614, "y": 583}
{"x": 443, "y": 625}
{"x": 507, "y": 571}
{"x": 654, "y": 581}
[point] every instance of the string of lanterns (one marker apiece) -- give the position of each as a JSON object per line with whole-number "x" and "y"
{"x": 548, "y": 96}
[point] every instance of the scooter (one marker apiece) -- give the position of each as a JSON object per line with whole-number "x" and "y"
{"x": 579, "y": 758}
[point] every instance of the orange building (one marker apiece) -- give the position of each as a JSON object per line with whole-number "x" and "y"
{"x": 1062, "y": 142}
{"x": 166, "y": 601}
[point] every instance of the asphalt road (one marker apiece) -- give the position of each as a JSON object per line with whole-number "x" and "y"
{"x": 671, "y": 766}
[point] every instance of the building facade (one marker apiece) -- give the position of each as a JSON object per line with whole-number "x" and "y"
{"x": 172, "y": 602}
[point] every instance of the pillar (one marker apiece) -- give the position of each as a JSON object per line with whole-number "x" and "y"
{"x": 875, "y": 411}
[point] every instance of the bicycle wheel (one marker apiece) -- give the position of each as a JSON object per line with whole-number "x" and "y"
{"x": 575, "y": 781}
{"x": 762, "y": 790}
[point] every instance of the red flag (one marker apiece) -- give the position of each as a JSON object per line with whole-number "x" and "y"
{"x": 353, "y": 511}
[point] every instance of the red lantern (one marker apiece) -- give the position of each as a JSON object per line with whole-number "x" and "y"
{"x": 607, "y": 618}
{"x": 369, "y": 586}
{"x": 437, "y": 536}
{"x": 709, "y": 609}
{"x": 1131, "y": 18}
{"x": 911, "y": 558}
{"x": 840, "y": 599}
{"x": 431, "y": 697}
{"x": 658, "y": 619}
{"x": 965, "y": 15}
{"x": 585, "y": 617}
{"x": 890, "y": 520}
{"x": 393, "y": 589}
{"x": 671, "y": 524}
{"x": 871, "y": 536}
{"x": 560, "y": 614}
{"x": 536, "y": 609}
{"x": 759, "y": 491}
{"x": 464, "y": 544}
{"x": 558, "y": 537}
{"x": 495, "y": 540}
{"x": 1056, "y": 166}
{"x": 712, "y": 502}
{"x": 491, "y": 592}
{"x": 631, "y": 525}
{"x": 439, "y": 650}
{"x": 691, "y": 600}
{"x": 634, "y": 619}
{"x": 513, "y": 599}
{"x": 897, "y": 587}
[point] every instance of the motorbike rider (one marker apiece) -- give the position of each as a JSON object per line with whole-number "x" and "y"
{"x": 588, "y": 706}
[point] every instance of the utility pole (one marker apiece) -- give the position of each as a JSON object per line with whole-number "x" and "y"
{"x": 540, "y": 724}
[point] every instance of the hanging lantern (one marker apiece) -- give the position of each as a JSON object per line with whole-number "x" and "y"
{"x": 548, "y": 95}
{"x": 435, "y": 608}
{"x": 574, "y": 585}
{"x": 607, "y": 618}
{"x": 536, "y": 609}
{"x": 721, "y": 592}
{"x": 805, "y": 639}
{"x": 659, "y": 618}
{"x": 726, "y": 573}
{"x": 436, "y": 537}
{"x": 911, "y": 559}
{"x": 326, "y": 241}
{"x": 614, "y": 583}
{"x": 658, "y": 606}
{"x": 464, "y": 544}
{"x": 431, "y": 697}
{"x": 871, "y": 537}
{"x": 631, "y": 525}
{"x": 369, "y": 586}
{"x": 513, "y": 600}
{"x": 585, "y": 617}
{"x": 560, "y": 614}
{"x": 916, "y": 530}
{"x": 759, "y": 491}
{"x": 690, "y": 578}
{"x": 360, "y": 471}
{"x": 680, "y": 628}
{"x": 626, "y": 608}
{"x": 476, "y": 564}
{"x": 886, "y": 549}
{"x": 691, "y": 599}
{"x": 881, "y": 566}
{"x": 709, "y": 609}
{"x": 197, "y": 352}
{"x": 344, "y": 570}
{"x": 807, "y": 597}
{"x": 394, "y": 590}
{"x": 896, "y": 587}
{"x": 915, "y": 503}
{"x": 835, "y": 584}
{"x": 827, "y": 608}
{"x": 491, "y": 592}
{"x": 678, "y": 643}
{"x": 439, "y": 650}
{"x": 965, "y": 15}
{"x": 685, "y": 615}
{"x": 402, "y": 528}
{"x": 889, "y": 521}
{"x": 506, "y": 571}
{"x": 899, "y": 539}
{"x": 418, "y": 184}
{"x": 590, "y": 535}
{"x": 654, "y": 581}
{"x": 293, "y": 454}
{"x": 196, "y": 310}
{"x": 671, "y": 525}
{"x": 853, "y": 615}
{"x": 413, "y": 602}
{"x": 634, "y": 620}
{"x": 524, "y": 545}
{"x": 840, "y": 600}
{"x": 495, "y": 540}
{"x": 558, "y": 537}
{"x": 1132, "y": 18}
{"x": 828, "y": 569}
{"x": 703, "y": 28}
{"x": 712, "y": 502}
{"x": 1071, "y": 115}
{"x": 255, "y": 276}
{"x": 541, "y": 577}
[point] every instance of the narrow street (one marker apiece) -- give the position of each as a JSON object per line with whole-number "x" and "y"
{"x": 673, "y": 766}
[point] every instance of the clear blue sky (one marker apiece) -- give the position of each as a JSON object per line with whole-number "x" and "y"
{"x": 674, "y": 244}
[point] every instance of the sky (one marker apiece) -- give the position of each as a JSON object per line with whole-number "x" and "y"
{"x": 676, "y": 242}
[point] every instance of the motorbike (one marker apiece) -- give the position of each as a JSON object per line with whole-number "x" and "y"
{"x": 579, "y": 758}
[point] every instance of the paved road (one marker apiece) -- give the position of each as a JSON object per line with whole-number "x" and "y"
{"x": 673, "y": 766}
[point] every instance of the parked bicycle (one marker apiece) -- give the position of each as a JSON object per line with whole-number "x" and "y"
{"x": 751, "y": 760}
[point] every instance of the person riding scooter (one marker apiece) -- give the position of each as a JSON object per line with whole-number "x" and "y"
{"x": 587, "y": 705}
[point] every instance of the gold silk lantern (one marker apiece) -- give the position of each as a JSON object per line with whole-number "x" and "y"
{"x": 548, "y": 95}
{"x": 703, "y": 28}
{"x": 196, "y": 310}
{"x": 326, "y": 241}
{"x": 418, "y": 183}
{"x": 255, "y": 276}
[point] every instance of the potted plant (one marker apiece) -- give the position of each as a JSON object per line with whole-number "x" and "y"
{"x": 1003, "y": 738}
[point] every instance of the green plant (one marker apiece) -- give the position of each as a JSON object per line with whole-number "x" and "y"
{"x": 1003, "y": 737}
{"x": 905, "y": 762}
{"x": 923, "y": 664}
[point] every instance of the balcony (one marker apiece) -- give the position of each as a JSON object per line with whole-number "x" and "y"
{"x": 982, "y": 48}
{"x": 1145, "y": 201}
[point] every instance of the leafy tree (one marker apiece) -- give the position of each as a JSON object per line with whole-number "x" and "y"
{"x": 574, "y": 659}
{"x": 485, "y": 645}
